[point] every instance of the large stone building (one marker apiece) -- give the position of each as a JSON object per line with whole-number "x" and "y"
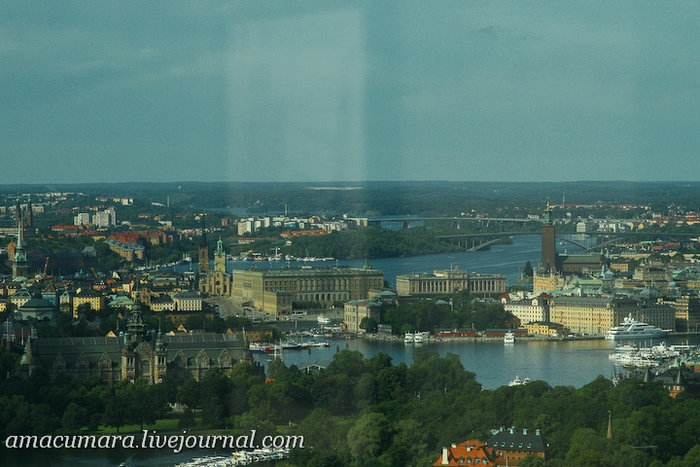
{"x": 274, "y": 290}
{"x": 529, "y": 310}
{"x": 135, "y": 354}
{"x": 448, "y": 282}
{"x": 687, "y": 312}
{"x": 596, "y": 315}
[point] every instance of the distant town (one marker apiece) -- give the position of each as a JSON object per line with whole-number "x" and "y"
{"x": 118, "y": 288}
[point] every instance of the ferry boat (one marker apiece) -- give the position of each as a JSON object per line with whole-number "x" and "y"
{"x": 633, "y": 329}
{"x": 509, "y": 338}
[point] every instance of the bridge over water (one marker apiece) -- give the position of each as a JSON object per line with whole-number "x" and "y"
{"x": 478, "y": 241}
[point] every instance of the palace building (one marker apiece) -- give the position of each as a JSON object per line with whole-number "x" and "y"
{"x": 274, "y": 290}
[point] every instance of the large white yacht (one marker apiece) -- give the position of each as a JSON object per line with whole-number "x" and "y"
{"x": 633, "y": 329}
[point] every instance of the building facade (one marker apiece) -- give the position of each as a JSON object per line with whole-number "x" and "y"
{"x": 448, "y": 282}
{"x": 529, "y": 310}
{"x": 355, "y": 311}
{"x": 136, "y": 354}
{"x": 274, "y": 290}
{"x": 596, "y": 315}
{"x": 218, "y": 282}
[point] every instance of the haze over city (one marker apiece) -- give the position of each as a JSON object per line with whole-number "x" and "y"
{"x": 343, "y": 91}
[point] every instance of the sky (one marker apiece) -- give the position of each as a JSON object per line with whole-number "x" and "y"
{"x": 339, "y": 91}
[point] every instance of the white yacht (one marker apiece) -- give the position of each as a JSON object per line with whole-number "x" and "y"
{"x": 518, "y": 382}
{"x": 323, "y": 319}
{"x": 408, "y": 338}
{"x": 633, "y": 329}
{"x": 509, "y": 338}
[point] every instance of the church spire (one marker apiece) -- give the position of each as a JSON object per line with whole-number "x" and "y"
{"x": 20, "y": 267}
{"x": 136, "y": 328}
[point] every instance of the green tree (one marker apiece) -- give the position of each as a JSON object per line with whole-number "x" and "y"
{"x": 369, "y": 324}
{"x": 369, "y": 436}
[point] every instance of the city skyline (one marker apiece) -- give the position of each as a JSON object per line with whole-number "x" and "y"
{"x": 348, "y": 91}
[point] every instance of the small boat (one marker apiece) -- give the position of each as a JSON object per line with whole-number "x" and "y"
{"x": 256, "y": 347}
{"x": 509, "y": 338}
{"x": 518, "y": 382}
{"x": 323, "y": 319}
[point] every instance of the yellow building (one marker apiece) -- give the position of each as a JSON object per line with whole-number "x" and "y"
{"x": 96, "y": 300}
{"x": 273, "y": 290}
{"x": 356, "y": 310}
{"x": 542, "y": 328}
{"x": 546, "y": 282}
{"x": 595, "y": 316}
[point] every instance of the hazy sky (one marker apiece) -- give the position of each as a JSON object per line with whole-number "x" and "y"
{"x": 96, "y": 91}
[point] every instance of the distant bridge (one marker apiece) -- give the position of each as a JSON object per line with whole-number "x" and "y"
{"x": 407, "y": 220}
{"x": 478, "y": 241}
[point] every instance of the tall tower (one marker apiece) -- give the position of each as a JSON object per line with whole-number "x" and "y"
{"x": 220, "y": 257}
{"x": 203, "y": 252}
{"x": 20, "y": 267}
{"x": 548, "y": 263}
{"x": 30, "y": 214}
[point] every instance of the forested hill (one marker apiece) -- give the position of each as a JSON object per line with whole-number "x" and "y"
{"x": 390, "y": 197}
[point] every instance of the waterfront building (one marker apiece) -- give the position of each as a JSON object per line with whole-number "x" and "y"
{"x": 687, "y": 310}
{"x": 552, "y": 262}
{"x": 529, "y": 310}
{"x": 356, "y": 310}
{"x": 448, "y": 282}
{"x": 274, "y": 290}
{"x": 596, "y": 315}
{"x": 546, "y": 328}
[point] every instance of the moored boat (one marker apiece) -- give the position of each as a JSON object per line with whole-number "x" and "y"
{"x": 630, "y": 328}
{"x": 509, "y": 338}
